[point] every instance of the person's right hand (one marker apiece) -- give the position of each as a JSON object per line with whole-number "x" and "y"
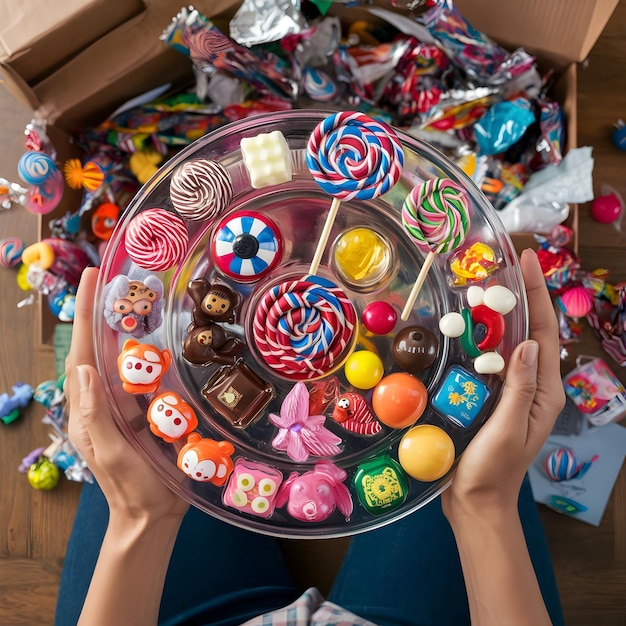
{"x": 490, "y": 472}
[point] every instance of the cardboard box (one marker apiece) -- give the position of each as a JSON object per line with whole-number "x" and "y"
{"x": 40, "y": 35}
{"x": 102, "y": 66}
{"x": 131, "y": 59}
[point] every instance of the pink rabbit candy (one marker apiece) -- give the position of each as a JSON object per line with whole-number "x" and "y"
{"x": 312, "y": 496}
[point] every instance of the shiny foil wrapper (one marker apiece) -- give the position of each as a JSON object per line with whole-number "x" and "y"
{"x": 263, "y": 21}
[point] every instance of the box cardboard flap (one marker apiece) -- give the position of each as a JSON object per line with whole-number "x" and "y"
{"x": 38, "y": 36}
{"x": 17, "y": 87}
{"x": 120, "y": 65}
{"x": 561, "y": 28}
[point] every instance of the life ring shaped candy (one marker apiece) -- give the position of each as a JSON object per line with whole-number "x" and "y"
{"x": 487, "y": 307}
{"x": 246, "y": 246}
{"x": 493, "y": 323}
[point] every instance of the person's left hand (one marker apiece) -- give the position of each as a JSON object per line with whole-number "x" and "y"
{"x": 132, "y": 488}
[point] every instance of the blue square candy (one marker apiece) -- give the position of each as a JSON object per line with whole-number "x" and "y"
{"x": 461, "y": 396}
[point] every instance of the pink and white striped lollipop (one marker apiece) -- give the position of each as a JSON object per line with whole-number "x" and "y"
{"x": 304, "y": 328}
{"x": 436, "y": 215}
{"x": 156, "y": 239}
{"x": 351, "y": 155}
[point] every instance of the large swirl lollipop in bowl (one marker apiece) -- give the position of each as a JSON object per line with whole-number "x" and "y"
{"x": 351, "y": 155}
{"x": 304, "y": 328}
{"x": 436, "y": 215}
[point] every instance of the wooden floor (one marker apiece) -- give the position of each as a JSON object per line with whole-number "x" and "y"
{"x": 590, "y": 562}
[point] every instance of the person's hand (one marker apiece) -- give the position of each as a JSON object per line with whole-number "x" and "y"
{"x": 132, "y": 488}
{"x": 489, "y": 475}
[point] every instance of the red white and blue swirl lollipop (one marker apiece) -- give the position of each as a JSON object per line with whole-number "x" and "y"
{"x": 246, "y": 246}
{"x": 304, "y": 328}
{"x": 351, "y": 155}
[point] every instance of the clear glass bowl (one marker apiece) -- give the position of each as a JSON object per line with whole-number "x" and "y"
{"x": 299, "y": 208}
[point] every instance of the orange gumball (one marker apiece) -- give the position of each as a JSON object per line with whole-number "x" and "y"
{"x": 399, "y": 400}
{"x": 426, "y": 452}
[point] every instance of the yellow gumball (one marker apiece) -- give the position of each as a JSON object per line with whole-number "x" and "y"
{"x": 364, "y": 369}
{"x": 426, "y": 452}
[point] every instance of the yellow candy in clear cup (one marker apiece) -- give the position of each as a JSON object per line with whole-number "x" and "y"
{"x": 362, "y": 256}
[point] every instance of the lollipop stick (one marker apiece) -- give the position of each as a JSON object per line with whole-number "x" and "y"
{"x": 419, "y": 282}
{"x": 321, "y": 244}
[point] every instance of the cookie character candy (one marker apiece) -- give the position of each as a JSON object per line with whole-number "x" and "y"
{"x": 133, "y": 306}
{"x": 201, "y": 189}
{"x": 304, "y": 328}
{"x": 350, "y": 155}
{"x": 436, "y": 215}
{"x": 141, "y": 366}
{"x": 210, "y": 343}
{"x": 213, "y": 302}
{"x": 246, "y": 246}
{"x": 314, "y": 495}
{"x": 170, "y": 417}
{"x": 206, "y": 460}
{"x": 156, "y": 240}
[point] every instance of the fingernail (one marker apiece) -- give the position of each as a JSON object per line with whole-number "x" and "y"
{"x": 83, "y": 377}
{"x": 530, "y": 352}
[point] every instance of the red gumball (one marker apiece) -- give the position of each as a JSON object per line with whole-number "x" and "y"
{"x": 606, "y": 209}
{"x": 379, "y": 317}
{"x": 399, "y": 400}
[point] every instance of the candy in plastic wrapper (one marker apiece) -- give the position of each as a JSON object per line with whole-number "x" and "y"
{"x": 416, "y": 85}
{"x": 503, "y": 125}
{"x": 459, "y": 108}
{"x": 503, "y": 181}
{"x": 474, "y": 52}
{"x": 552, "y": 131}
{"x": 258, "y": 22}
{"x": 211, "y": 50}
{"x": 371, "y": 66}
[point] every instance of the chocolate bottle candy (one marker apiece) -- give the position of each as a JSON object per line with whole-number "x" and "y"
{"x": 238, "y": 393}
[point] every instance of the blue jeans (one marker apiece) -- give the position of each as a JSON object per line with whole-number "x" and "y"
{"x": 406, "y": 573}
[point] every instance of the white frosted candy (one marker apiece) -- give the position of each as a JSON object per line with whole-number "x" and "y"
{"x": 452, "y": 325}
{"x": 489, "y": 363}
{"x": 475, "y": 295}
{"x": 267, "y": 159}
{"x": 500, "y": 299}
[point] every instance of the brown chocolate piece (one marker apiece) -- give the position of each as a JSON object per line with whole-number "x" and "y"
{"x": 238, "y": 393}
{"x": 210, "y": 343}
{"x": 213, "y": 302}
{"x": 415, "y": 348}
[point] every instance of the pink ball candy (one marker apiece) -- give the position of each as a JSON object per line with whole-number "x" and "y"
{"x": 606, "y": 209}
{"x": 379, "y": 317}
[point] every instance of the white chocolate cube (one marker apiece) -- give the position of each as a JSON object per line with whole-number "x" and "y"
{"x": 267, "y": 159}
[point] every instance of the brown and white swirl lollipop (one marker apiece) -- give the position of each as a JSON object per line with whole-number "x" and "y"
{"x": 201, "y": 189}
